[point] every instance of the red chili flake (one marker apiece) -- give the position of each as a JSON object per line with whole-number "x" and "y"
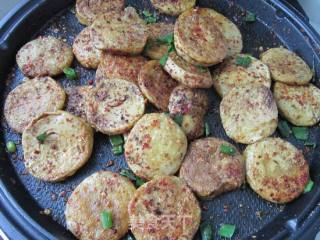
{"x": 110, "y": 163}
{"x": 62, "y": 194}
{"x": 146, "y": 141}
{"x": 205, "y": 208}
{"x": 90, "y": 82}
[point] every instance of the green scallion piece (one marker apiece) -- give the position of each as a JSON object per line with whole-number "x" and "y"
{"x": 164, "y": 59}
{"x": 117, "y": 150}
{"x": 284, "y": 129}
{"x": 310, "y": 144}
{"x": 227, "y": 230}
{"x": 149, "y": 17}
{"x": 129, "y": 174}
{"x": 11, "y": 147}
{"x": 227, "y": 150}
{"x": 207, "y": 131}
{"x": 201, "y": 68}
{"x": 42, "y": 137}
{"x": 178, "y": 119}
{"x": 116, "y": 140}
{"x": 166, "y": 39}
{"x": 206, "y": 231}
{"x": 243, "y": 61}
{"x": 70, "y": 73}
{"x": 139, "y": 182}
{"x": 301, "y": 133}
{"x": 309, "y": 186}
{"x": 106, "y": 220}
{"x": 250, "y": 17}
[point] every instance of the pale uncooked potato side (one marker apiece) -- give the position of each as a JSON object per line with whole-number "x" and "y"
{"x": 249, "y": 113}
{"x": 120, "y": 67}
{"x": 276, "y": 170}
{"x": 156, "y": 146}
{"x": 115, "y": 106}
{"x": 84, "y": 51}
{"x": 164, "y": 208}
{"x": 186, "y": 73}
{"x": 77, "y": 100}
{"x": 286, "y": 66}
{"x": 88, "y": 10}
{"x": 156, "y": 85}
{"x": 32, "y": 98}
{"x": 192, "y": 105}
{"x": 196, "y": 35}
{"x": 208, "y": 171}
{"x": 67, "y": 146}
{"x": 121, "y": 32}
{"x": 44, "y": 56}
{"x": 228, "y": 75}
{"x": 173, "y": 8}
{"x": 103, "y": 191}
{"x": 155, "y": 49}
{"x": 300, "y": 105}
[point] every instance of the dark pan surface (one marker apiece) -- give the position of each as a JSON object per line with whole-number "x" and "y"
{"x": 252, "y": 215}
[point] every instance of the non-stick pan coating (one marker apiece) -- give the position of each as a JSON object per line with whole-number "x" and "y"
{"x": 251, "y": 215}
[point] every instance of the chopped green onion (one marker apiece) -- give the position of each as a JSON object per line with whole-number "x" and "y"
{"x": 301, "y": 133}
{"x": 70, "y": 73}
{"x": 178, "y": 119}
{"x": 227, "y": 150}
{"x": 42, "y": 137}
{"x": 117, "y": 150}
{"x": 309, "y": 186}
{"x": 149, "y": 17}
{"x": 11, "y": 147}
{"x": 284, "y": 129}
{"x": 207, "y": 131}
{"x": 250, "y": 17}
{"x": 106, "y": 220}
{"x": 227, "y": 230}
{"x": 166, "y": 39}
{"x": 243, "y": 61}
{"x": 164, "y": 59}
{"x": 310, "y": 144}
{"x": 206, "y": 231}
{"x": 129, "y": 174}
{"x": 201, "y": 68}
{"x": 171, "y": 48}
{"x": 116, "y": 140}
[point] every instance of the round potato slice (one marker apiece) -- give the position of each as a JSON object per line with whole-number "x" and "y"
{"x": 173, "y": 8}
{"x": 44, "y": 56}
{"x": 186, "y": 73}
{"x": 121, "y": 67}
{"x": 56, "y": 145}
{"x": 228, "y": 75}
{"x": 196, "y": 35}
{"x": 210, "y": 172}
{"x": 32, "y": 98}
{"x": 286, "y": 66}
{"x": 249, "y": 113}
{"x": 230, "y": 31}
{"x": 156, "y": 84}
{"x": 115, "y": 106}
{"x": 154, "y": 48}
{"x": 88, "y": 10}
{"x": 191, "y": 104}
{"x": 300, "y": 105}
{"x": 276, "y": 170}
{"x": 101, "y": 192}
{"x": 77, "y": 100}
{"x": 155, "y": 146}
{"x": 120, "y": 32}
{"x": 87, "y": 55}
{"x": 164, "y": 208}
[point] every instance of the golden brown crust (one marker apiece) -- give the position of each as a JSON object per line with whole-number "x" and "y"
{"x": 155, "y": 146}
{"x": 199, "y": 38}
{"x": 100, "y": 192}
{"x": 276, "y": 170}
{"x": 164, "y": 208}
{"x": 32, "y": 98}
{"x": 66, "y": 148}
{"x": 208, "y": 172}
{"x": 173, "y": 7}
{"x": 156, "y": 85}
{"x": 300, "y": 105}
{"x": 249, "y": 113}
{"x": 120, "y": 67}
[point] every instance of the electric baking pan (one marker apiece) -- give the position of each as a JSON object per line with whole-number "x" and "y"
{"x": 23, "y": 198}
